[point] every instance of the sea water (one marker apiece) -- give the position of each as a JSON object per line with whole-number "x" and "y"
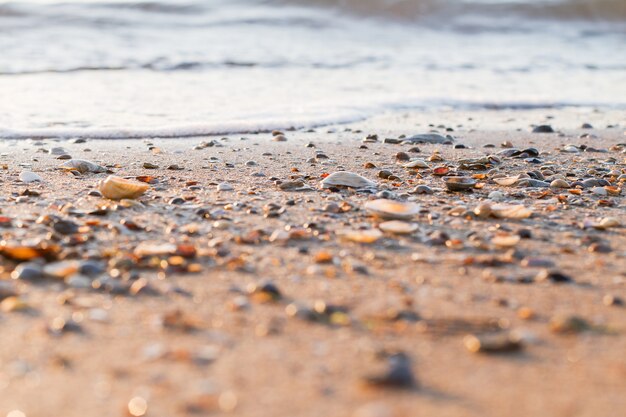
{"x": 168, "y": 68}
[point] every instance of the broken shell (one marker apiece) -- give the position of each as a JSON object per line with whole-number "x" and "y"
{"x": 483, "y": 211}
{"x": 29, "y": 176}
{"x": 83, "y": 166}
{"x": 506, "y": 240}
{"x": 459, "y": 183}
{"x": 416, "y": 163}
{"x": 398, "y": 227}
{"x": 61, "y": 270}
{"x": 506, "y": 181}
{"x": 389, "y": 209}
{"x": 510, "y": 211}
{"x": 117, "y": 188}
{"x": 361, "y": 236}
{"x": 607, "y": 222}
{"x": 347, "y": 179}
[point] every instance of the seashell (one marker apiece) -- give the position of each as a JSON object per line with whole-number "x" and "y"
{"x": 117, "y": 188}
{"x": 389, "y": 209}
{"x": 571, "y": 149}
{"x": 83, "y": 166}
{"x": 506, "y": 181}
{"x": 154, "y": 249}
{"x": 360, "y": 236}
{"x": 29, "y": 176}
{"x": 607, "y": 222}
{"x": 346, "y": 179}
{"x": 416, "y": 163}
{"x": 612, "y": 190}
{"x": 459, "y": 183}
{"x": 510, "y": 211}
{"x": 559, "y": 183}
{"x": 483, "y": 211}
{"x": 441, "y": 171}
{"x": 398, "y": 227}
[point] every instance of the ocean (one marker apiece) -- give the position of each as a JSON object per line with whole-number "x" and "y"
{"x": 167, "y": 68}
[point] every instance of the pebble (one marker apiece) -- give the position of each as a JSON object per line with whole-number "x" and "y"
{"x": 543, "y": 129}
{"x": 397, "y": 375}
{"x": 493, "y": 343}
{"x": 224, "y": 186}
{"x": 28, "y": 176}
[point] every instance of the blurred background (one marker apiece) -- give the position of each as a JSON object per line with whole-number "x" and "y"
{"x": 179, "y": 67}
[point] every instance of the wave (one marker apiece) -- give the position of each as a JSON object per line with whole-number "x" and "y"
{"x": 253, "y": 126}
{"x": 561, "y": 10}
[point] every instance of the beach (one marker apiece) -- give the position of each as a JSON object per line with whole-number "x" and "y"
{"x": 248, "y": 280}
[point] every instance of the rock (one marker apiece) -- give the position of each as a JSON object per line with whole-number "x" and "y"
{"x": 28, "y": 176}
{"x": 567, "y": 324}
{"x": 224, "y": 186}
{"x": 558, "y": 183}
{"x": 543, "y": 129}
{"x": 493, "y": 343}
{"x": 553, "y": 276}
{"x": 429, "y": 138}
{"x": 398, "y": 374}
{"x": 27, "y": 271}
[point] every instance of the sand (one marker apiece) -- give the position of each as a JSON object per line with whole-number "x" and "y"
{"x": 232, "y": 352}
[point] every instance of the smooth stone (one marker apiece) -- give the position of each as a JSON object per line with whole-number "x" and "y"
{"x": 28, "y": 176}
{"x": 224, "y": 187}
{"x": 543, "y": 129}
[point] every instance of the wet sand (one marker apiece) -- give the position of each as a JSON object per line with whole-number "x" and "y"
{"x": 250, "y": 302}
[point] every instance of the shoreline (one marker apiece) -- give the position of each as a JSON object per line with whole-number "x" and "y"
{"x": 178, "y": 320}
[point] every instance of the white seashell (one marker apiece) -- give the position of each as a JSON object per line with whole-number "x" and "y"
{"x": 29, "y": 176}
{"x": 117, "y": 188}
{"x": 360, "y": 236}
{"x": 510, "y": 211}
{"x": 571, "y": 149}
{"x": 506, "y": 181}
{"x": 390, "y": 209}
{"x": 83, "y": 166}
{"x": 416, "y": 163}
{"x": 398, "y": 227}
{"x": 347, "y": 179}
